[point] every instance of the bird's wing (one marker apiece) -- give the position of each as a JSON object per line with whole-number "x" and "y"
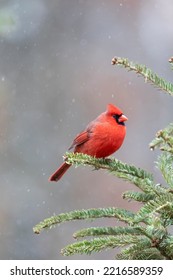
{"x": 80, "y": 139}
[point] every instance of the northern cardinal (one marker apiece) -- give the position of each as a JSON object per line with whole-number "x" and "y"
{"x": 101, "y": 138}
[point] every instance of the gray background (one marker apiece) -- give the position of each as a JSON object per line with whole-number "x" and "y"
{"x": 55, "y": 77}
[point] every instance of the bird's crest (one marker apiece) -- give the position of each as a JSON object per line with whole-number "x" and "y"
{"x": 112, "y": 110}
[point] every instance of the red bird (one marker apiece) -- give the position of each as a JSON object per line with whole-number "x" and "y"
{"x": 101, "y": 138}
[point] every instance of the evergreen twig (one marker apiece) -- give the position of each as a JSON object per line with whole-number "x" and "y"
{"x": 102, "y": 243}
{"x": 90, "y": 214}
{"x": 164, "y": 139}
{"x": 147, "y": 73}
{"x": 165, "y": 165}
{"x": 99, "y": 231}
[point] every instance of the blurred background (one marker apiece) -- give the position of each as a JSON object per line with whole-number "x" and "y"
{"x": 55, "y": 77}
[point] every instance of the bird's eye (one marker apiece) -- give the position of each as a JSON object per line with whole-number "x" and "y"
{"x": 116, "y": 117}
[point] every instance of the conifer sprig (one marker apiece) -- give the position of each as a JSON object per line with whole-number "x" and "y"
{"x": 102, "y": 243}
{"x": 164, "y": 139}
{"x": 148, "y": 74}
{"x": 155, "y": 214}
{"x": 102, "y": 231}
{"x": 165, "y": 164}
{"x": 89, "y": 214}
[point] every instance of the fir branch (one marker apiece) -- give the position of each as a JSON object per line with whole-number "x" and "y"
{"x": 138, "y": 196}
{"x": 147, "y": 194}
{"x": 99, "y": 231}
{"x": 156, "y": 231}
{"x": 130, "y": 173}
{"x": 120, "y": 214}
{"x": 171, "y": 62}
{"x": 144, "y": 253}
{"x": 164, "y": 139}
{"x": 156, "y": 249}
{"x": 102, "y": 243}
{"x": 161, "y": 204}
{"x": 147, "y": 73}
{"x": 167, "y": 246}
{"x": 164, "y": 163}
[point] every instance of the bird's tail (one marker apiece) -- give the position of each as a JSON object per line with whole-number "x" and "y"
{"x": 59, "y": 172}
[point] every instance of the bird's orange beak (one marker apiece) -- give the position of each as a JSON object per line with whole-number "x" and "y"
{"x": 122, "y": 118}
